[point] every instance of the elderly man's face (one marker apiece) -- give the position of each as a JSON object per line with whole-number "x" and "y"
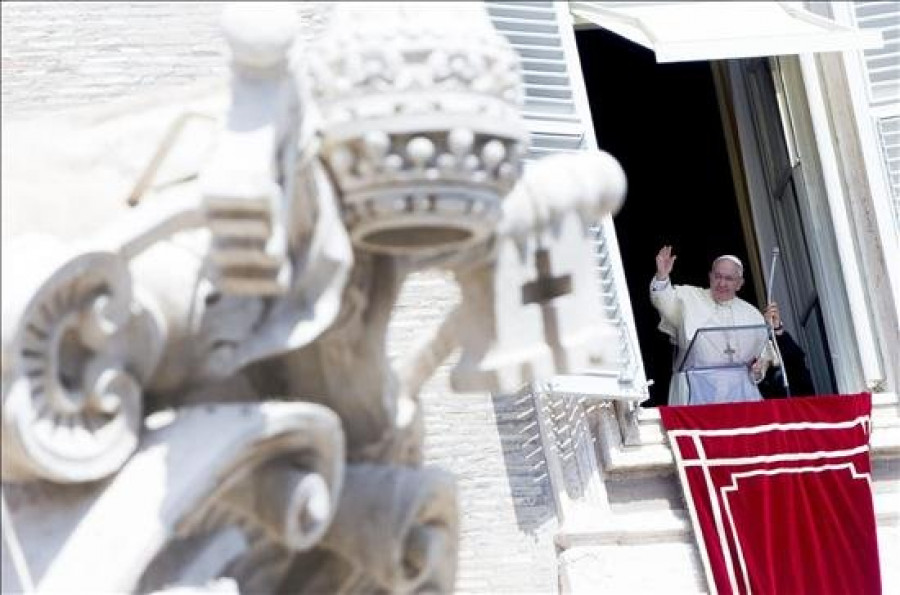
{"x": 725, "y": 280}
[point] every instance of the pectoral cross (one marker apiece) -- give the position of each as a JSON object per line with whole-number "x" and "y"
{"x": 543, "y": 291}
{"x": 729, "y": 351}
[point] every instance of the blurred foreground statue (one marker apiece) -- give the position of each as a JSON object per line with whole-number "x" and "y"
{"x": 198, "y": 395}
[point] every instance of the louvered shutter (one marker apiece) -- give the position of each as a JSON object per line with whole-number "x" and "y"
{"x": 559, "y": 120}
{"x": 533, "y": 28}
{"x": 889, "y": 135}
{"x": 882, "y": 65}
{"x": 882, "y": 69}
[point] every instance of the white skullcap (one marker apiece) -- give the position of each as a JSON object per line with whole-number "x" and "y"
{"x": 731, "y": 258}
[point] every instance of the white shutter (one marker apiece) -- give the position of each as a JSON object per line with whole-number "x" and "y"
{"x": 882, "y": 65}
{"x": 549, "y": 108}
{"x": 889, "y": 135}
{"x": 558, "y": 117}
{"x": 882, "y": 72}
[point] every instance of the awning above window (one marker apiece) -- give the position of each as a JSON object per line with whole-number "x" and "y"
{"x": 685, "y": 31}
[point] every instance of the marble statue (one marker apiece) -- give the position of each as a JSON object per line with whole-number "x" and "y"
{"x": 197, "y": 397}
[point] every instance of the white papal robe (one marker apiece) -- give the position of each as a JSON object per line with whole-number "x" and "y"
{"x": 683, "y": 309}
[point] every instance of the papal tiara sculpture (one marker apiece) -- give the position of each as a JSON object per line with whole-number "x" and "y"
{"x": 420, "y": 122}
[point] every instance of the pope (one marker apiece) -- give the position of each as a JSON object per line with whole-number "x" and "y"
{"x": 684, "y": 309}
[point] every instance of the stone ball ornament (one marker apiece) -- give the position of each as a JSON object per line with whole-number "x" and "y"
{"x": 260, "y": 37}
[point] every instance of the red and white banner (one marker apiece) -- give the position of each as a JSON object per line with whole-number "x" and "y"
{"x": 779, "y": 493}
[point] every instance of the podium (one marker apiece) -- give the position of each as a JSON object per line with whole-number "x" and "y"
{"x": 717, "y": 363}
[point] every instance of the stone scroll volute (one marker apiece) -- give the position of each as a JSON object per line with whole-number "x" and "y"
{"x": 78, "y": 345}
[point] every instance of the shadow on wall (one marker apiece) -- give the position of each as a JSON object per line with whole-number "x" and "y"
{"x": 523, "y": 456}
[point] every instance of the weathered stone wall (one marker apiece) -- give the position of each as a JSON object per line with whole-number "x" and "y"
{"x": 59, "y": 55}
{"x": 64, "y": 56}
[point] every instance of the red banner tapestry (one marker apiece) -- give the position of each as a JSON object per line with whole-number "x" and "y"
{"x": 779, "y": 493}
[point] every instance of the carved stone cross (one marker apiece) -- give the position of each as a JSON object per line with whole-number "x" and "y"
{"x": 543, "y": 291}
{"x": 546, "y": 287}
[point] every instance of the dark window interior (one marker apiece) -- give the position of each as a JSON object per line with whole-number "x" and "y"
{"x": 661, "y": 121}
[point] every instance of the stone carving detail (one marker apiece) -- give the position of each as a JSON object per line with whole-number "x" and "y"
{"x": 175, "y": 491}
{"x": 405, "y": 548}
{"x": 421, "y": 128}
{"x": 78, "y": 352}
{"x": 539, "y": 295}
{"x": 242, "y": 196}
{"x": 217, "y": 358}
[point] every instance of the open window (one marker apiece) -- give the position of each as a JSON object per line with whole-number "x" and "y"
{"x": 688, "y": 97}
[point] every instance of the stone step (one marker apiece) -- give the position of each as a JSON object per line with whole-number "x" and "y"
{"x": 596, "y": 548}
{"x": 885, "y": 440}
{"x": 885, "y": 419}
{"x": 653, "y": 458}
{"x": 885, "y": 399}
{"x": 885, "y": 410}
{"x": 651, "y": 433}
{"x": 591, "y": 528}
{"x": 887, "y": 506}
{"x": 647, "y": 568}
{"x": 648, "y": 415}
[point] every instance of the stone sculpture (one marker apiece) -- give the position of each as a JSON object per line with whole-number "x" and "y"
{"x": 199, "y": 397}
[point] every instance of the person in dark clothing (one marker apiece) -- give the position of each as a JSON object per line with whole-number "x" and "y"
{"x": 793, "y": 361}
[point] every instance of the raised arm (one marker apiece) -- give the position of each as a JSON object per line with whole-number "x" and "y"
{"x": 662, "y": 294}
{"x": 665, "y": 261}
